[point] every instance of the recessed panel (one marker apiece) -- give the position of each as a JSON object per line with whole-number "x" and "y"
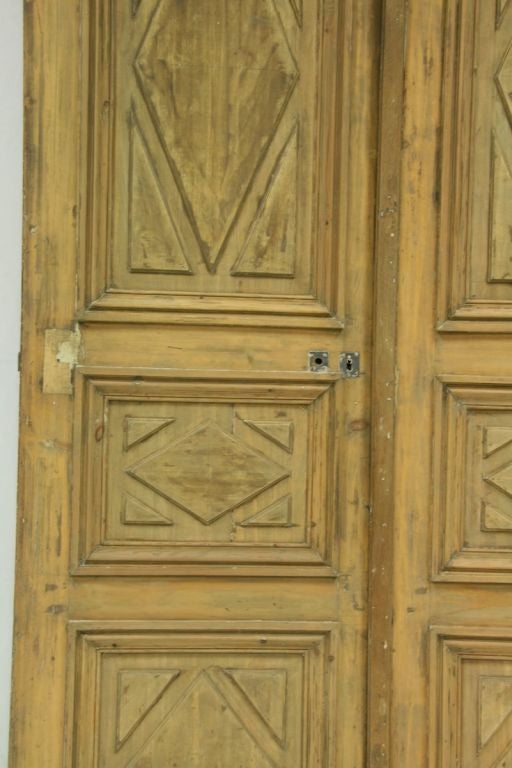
{"x": 472, "y": 698}
{"x": 150, "y": 696}
{"x": 184, "y": 473}
{"x": 209, "y": 148}
{"x": 476, "y": 250}
{"x": 473, "y": 481}
{"x": 210, "y": 472}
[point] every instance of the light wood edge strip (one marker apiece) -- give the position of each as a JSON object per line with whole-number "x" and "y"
{"x": 474, "y": 381}
{"x": 179, "y": 627}
{"x": 384, "y": 384}
{"x": 197, "y": 571}
{"x": 50, "y": 152}
{"x": 479, "y": 326}
{"x": 318, "y": 380}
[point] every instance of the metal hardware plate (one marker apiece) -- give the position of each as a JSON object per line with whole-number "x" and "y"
{"x": 350, "y": 365}
{"x": 318, "y": 361}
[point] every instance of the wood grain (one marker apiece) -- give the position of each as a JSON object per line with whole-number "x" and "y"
{"x": 192, "y": 530}
{"x": 384, "y": 386}
{"x": 230, "y": 192}
{"x": 475, "y": 247}
{"x": 450, "y": 626}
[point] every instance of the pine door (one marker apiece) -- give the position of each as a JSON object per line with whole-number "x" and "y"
{"x": 266, "y": 432}
{"x": 194, "y": 494}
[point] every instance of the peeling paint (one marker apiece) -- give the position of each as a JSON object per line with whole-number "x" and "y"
{"x": 61, "y": 353}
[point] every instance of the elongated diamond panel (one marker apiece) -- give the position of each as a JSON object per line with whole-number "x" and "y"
{"x": 221, "y": 84}
{"x": 208, "y": 473}
{"x": 211, "y": 156}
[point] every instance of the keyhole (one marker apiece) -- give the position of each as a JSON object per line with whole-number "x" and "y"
{"x": 349, "y": 365}
{"x": 319, "y": 361}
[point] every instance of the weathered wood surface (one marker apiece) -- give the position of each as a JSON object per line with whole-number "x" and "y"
{"x": 192, "y": 537}
{"x": 450, "y": 681}
{"x": 192, "y": 557}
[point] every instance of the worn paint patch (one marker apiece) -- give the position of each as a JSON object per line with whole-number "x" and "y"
{"x": 61, "y": 352}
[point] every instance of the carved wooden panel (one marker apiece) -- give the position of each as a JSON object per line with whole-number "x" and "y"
{"x": 471, "y": 698}
{"x": 195, "y": 696}
{"x": 476, "y": 246}
{"x": 473, "y": 481}
{"x": 209, "y": 144}
{"x": 203, "y": 472}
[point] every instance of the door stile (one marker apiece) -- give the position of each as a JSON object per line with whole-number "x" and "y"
{"x": 51, "y": 162}
{"x": 385, "y": 383}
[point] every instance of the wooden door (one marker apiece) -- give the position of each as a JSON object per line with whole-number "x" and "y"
{"x": 192, "y": 539}
{"x": 442, "y": 635}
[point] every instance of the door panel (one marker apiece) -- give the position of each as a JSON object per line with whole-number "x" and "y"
{"x": 202, "y": 694}
{"x": 194, "y": 470}
{"x": 473, "y": 689}
{"x": 194, "y": 481}
{"x": 472, "y": 534}
{"x": 212, "y": 131}
{"x": 476, "y": 167}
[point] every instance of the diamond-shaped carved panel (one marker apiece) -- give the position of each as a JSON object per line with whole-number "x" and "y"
{"x": 202, "y": 475}
{"x": 208, "y": 473}
{"x": 211, "y": 157}
{"x": 216, "y": 92}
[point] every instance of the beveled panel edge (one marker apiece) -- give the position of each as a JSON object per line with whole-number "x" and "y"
{"x": 228, "y": 311}
{"x": 89, "y": 557}
{"x": 235, "y": 627}
{"x": 447, "y": 644}
{"x": 455, "y": 312}
{"x": 471, "y": 318}
{"x": 470, "y": 326}
{"x": 470, "y": 565}
{"x": 316, "y": 641}
{"x": 300, "y": 387}
{"x": 96, "y": 302}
